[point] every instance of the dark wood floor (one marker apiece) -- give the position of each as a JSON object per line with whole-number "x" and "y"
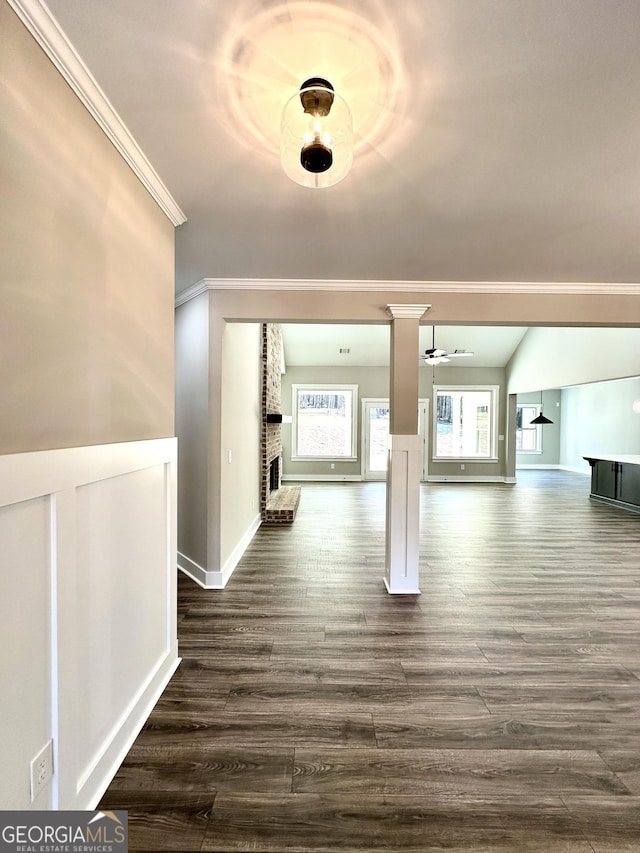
{"x": 499, "y": 711}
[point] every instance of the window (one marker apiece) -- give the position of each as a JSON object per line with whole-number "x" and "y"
{"x": 528, "y": 435}
{"x": 465, "y": 422}
{"x": 324, "y": 421}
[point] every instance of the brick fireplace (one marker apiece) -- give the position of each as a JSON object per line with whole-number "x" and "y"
{"x": 278, "y": 503}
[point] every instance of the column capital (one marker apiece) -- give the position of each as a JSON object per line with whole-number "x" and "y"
{"x": 407, "y": 312}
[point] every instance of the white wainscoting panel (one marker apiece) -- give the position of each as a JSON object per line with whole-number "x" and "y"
{"x": 95, "y": 552}
{"x": 402, "y": 558}
{"x": 25, "y": 665}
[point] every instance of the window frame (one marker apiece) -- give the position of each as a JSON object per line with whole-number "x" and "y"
{"x": 329, "y": 388}
{"x": 494, "y": 391}
{"x": 536, "y": 427}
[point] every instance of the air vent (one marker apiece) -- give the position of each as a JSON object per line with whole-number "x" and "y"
{"x": 344, "y": 350}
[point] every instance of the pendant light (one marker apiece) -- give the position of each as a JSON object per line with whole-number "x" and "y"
{"x": 541, "y": 418}
{"x": 316, "y": 135}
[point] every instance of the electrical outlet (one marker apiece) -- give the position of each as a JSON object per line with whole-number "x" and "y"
{"x": 41, "y": 769}
{"x": 333, "y": 465}
{"x": 462, "y": 467}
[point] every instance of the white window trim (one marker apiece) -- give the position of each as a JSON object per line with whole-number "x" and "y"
{"x": 493, "y": 426}
{"x": 538, "y": 429}
{"x": 325, "y": 386}
{"x": 384, "y": 402}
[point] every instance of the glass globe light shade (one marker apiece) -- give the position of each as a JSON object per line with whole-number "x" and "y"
{"x": 316, "y": 136}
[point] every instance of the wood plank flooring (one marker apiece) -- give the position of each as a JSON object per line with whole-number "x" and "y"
{"x": 498, "y": 711}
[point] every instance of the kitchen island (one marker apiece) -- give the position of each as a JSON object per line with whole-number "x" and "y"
{"x": 615, "y": 479}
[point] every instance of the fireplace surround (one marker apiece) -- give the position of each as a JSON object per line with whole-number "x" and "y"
{"x": 278, "y": 503}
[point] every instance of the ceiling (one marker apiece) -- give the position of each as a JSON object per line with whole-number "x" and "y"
{"x": 320, "y": 344}
{"x": 497, "y": 140}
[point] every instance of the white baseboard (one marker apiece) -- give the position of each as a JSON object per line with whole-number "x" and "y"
{"x": 573, "y": 469}
{"x": 236, "y": 555}
{"x": 323, "y": 478}
{"x": 128, "y": 731}
{"x": 209, "y": 579}
{"x": 409, "y": 590}
{"x": 193, "y": 570}
{"x": 533, "y": 467}
{"x": 457, "y": 478}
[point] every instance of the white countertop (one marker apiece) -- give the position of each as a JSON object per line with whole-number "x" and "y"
{"x": 630, "y": 459}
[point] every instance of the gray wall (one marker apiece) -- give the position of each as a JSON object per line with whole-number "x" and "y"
{"x": 467, "y": 376}
{"x": 371, "y": 382}
{"x": 86, "y": 281}
{"x": 374, "y": 382}
{"x": 241, "y": 413}
{"x": 192, "y": 425}
{"x": 217, "y": 499}
{"x": 599, "y": 418}
{"x": 550, "y": 432}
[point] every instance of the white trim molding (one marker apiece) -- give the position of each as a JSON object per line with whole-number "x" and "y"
{"x": 458, "y": 478}
{"x": 407, "y": 312}
{"x": 323, "y": 478}
{"x": 497, "y": 287}
{"x": 218, "y": 579}
{"x": 526, "y": 466}
{"x": 330, "y": 388}
{"x": 42, "y": 25}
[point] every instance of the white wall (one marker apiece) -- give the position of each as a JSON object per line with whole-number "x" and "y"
{"x": 88, "y": 609}
{"x": 240, "y": 462}
{"x": 599, "y": 418}
{"x": 558, "y": 357}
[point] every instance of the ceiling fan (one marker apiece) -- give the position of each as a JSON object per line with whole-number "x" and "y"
{"x": 435, "y": 356}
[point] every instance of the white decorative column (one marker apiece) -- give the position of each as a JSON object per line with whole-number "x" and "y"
{"x": 403, "y": 472}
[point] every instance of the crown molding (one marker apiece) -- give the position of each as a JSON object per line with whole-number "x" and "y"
{"x": 38, "y": 19}
{"x": 407, "y": 312}
{"x": 542, "y": 288}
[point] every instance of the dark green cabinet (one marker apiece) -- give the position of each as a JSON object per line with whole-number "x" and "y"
{"x": 603, "y": 479}
{"x": 629, "y": 484}
{"x": 616, "y": 481}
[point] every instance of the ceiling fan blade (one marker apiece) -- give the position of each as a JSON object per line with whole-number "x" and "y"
{"x": 458, "y": 354}
{"x": 435, "y": 359}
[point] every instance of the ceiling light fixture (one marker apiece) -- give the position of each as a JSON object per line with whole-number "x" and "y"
{"x": 316, "y": 135}
{"x": 541, "y": 418}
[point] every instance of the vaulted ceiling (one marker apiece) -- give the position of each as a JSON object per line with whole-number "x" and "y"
{"x": 345, "y": 345}
{"x": 497, "y": 140}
